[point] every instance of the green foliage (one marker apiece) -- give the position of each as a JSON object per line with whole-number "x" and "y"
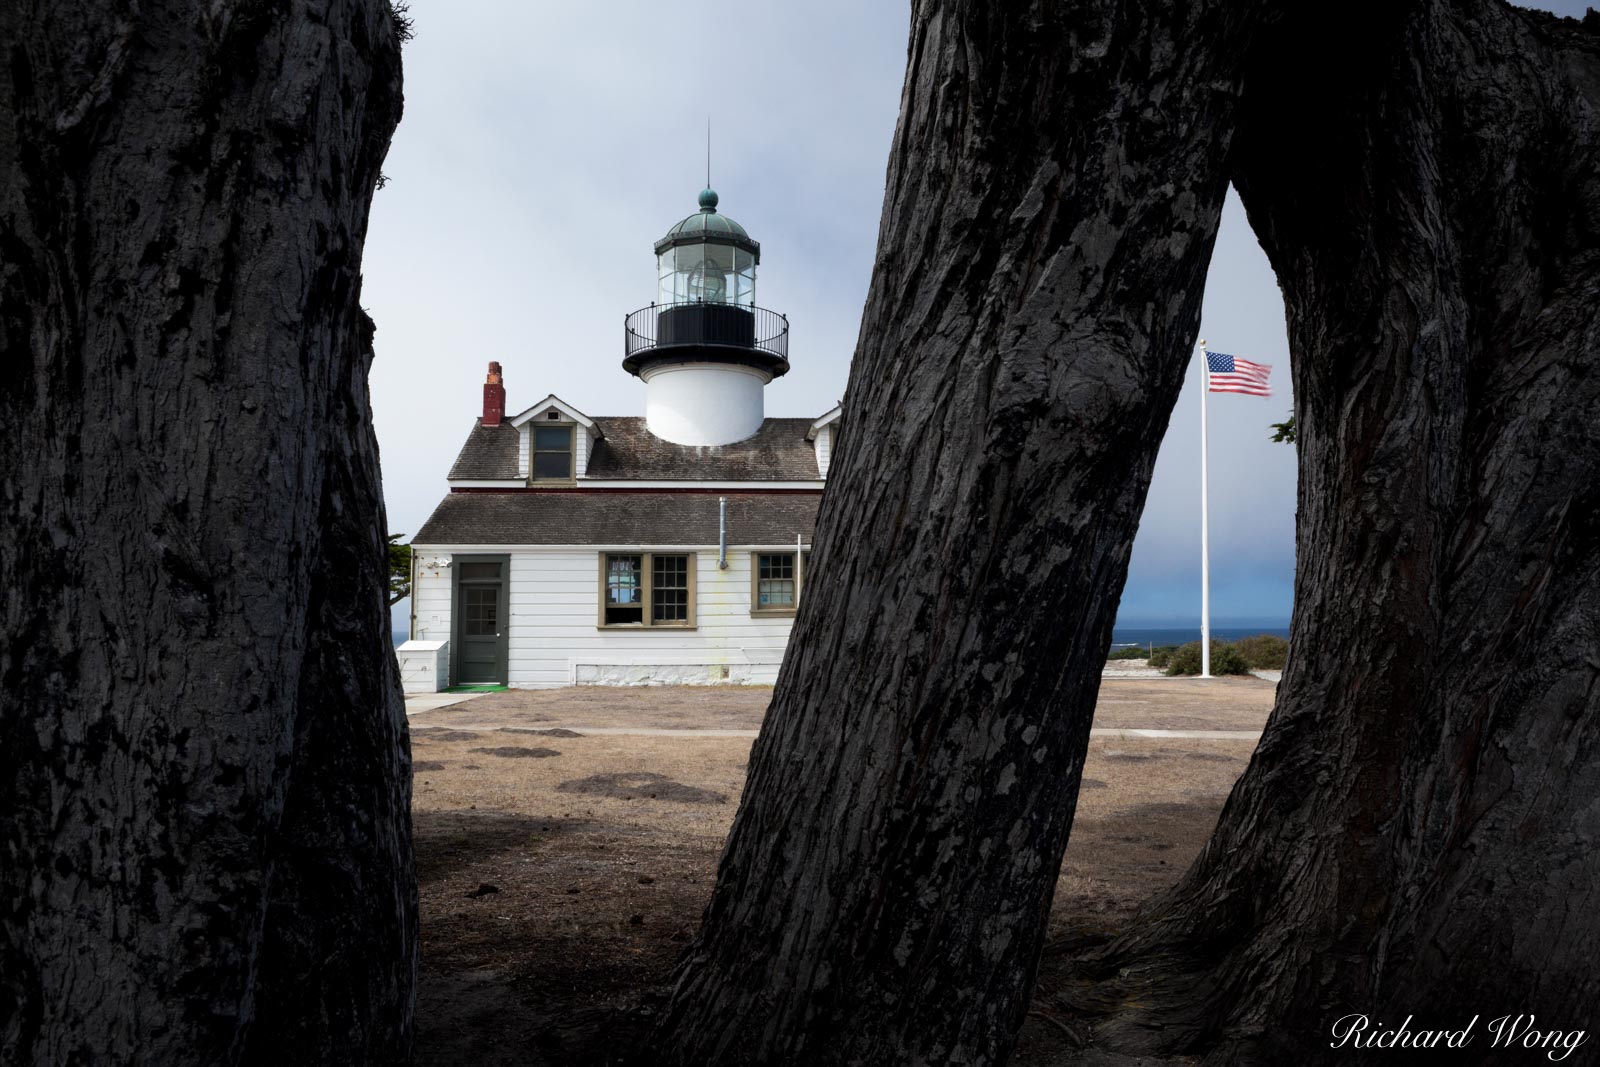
{"x": 1263, "y": 652}
{"x": 399, "y": 569}
{"x": 1132, "y": 652}
{"x": 1225, "y": 659}
{"x": 1161, "y": 657}
{"x": 1286, "y": 430}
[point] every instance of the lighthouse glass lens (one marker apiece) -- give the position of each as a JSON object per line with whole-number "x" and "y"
{"x": 706, "y": 273}
{"x": 667, "y": 277}
{"x": 711, "y": 282}
{"x": 744, "y": 279}
{"x": 690, "y": 270}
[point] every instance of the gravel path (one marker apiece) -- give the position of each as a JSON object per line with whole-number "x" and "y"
{"x": 1193, "y": 708}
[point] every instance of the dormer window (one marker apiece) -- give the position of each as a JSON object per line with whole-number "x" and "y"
{"x": 552, "y": 453}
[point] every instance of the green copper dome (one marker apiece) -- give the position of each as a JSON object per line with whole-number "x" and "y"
{"x": 706, "y": 226}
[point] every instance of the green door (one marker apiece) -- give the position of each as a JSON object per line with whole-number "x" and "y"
{"x": 481, "y": 617}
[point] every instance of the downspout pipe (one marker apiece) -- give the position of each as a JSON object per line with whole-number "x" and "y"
{"x": 411, "y": 584}
{"x": 722, "y": 533}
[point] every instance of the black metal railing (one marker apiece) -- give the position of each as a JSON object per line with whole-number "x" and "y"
{"x": 707, "y": 325}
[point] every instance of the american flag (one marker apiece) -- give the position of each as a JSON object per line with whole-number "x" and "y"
{"x": 1231, "y": 375}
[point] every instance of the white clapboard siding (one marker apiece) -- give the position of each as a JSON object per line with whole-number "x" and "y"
{"x": 432, "y": 596}
{"x": 555, "y": 602}
{"x": 580, "y": 444}
{"x": 824, "y": 445}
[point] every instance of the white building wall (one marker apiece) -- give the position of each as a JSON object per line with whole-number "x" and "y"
{"x": 555, "y": 640}
{"x": 824, "y": 450}
{"x": 430, "y": 592}
{"x": 581, "y": 445}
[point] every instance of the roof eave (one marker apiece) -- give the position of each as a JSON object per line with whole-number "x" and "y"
{"x": 710, "y": 238}
{"x": 823, "y": 420}
{"x": 553, "y": 401}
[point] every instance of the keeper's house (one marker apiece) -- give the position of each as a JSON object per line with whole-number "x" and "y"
{"x": 599, "y": 549}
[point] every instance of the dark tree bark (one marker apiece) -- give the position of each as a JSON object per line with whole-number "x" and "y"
{"x": 1419, "y": 831}
{"x": 1053, "y": 194}
{"x": 204, "y": 778}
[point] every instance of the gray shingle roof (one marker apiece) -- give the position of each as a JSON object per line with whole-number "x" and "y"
{"x": 617, "y": 518}
{"x": 490, "y": 453}
{"x": 779, "y": 452}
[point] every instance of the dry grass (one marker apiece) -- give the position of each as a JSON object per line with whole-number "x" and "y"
{"x": 697, "y": 707}
{"x": 601, "y": 850}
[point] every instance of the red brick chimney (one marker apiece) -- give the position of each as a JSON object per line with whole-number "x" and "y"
{"x": 494, "y": 397}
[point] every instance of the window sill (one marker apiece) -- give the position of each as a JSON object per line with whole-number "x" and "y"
{"x": 641, "y": 626}
{"x": 774, "y": 613}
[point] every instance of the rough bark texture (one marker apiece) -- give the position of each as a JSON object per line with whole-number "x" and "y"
{"x": 1053, "y": 194}
{"x": 205, "y": 842}
{"x": 1419, "y": 831}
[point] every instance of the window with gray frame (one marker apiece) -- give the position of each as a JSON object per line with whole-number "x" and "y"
{"x": 552, "y": 453}
{"x": 480, "y": 611}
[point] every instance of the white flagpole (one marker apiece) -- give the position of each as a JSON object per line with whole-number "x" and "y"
{"x": 1205, "y": 525}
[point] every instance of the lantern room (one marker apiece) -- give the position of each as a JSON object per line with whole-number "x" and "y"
{"x": 707, "y": 258}
{"x": 703, "y": 348}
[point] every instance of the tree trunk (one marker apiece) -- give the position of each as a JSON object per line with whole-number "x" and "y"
{"x": 1053, "y": 194}
{"x": 1418, "y": 832}
{"x": 205, "y": 849}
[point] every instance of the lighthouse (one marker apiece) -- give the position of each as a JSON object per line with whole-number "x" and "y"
{"x": 703, "y": 348}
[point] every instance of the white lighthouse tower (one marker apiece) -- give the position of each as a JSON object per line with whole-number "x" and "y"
{"x": 704, "y": 350}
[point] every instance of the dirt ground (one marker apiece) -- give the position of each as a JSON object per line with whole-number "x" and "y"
{"x": 562, "y": 873}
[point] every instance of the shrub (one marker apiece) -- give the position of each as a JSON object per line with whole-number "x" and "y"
{"x": 1263, "y": 652}
{"x": 1134, "y": 652}
{"x": 1225, "y": 659}
{"x": 1162, "y": 656}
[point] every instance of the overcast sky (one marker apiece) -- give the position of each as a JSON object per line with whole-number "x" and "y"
{"x": 545, "y": 147}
